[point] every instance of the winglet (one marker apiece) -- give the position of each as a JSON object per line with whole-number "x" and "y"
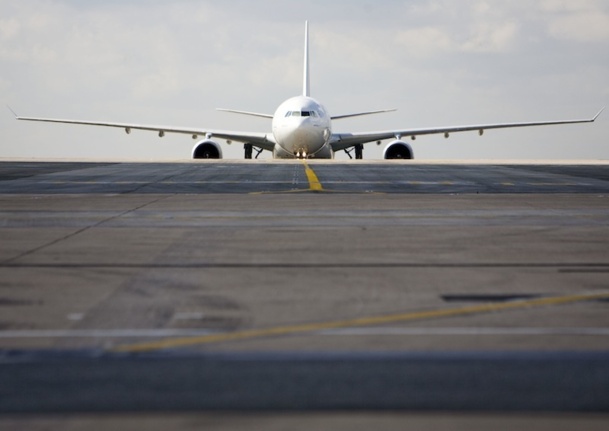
{"x": 599, "y": 113}
{"x": 14, "y": 113}
{"x": 306, "y": 85}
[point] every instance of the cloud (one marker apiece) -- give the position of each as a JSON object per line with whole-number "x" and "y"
{"x": 491, "y": 37}
{"x": 425, "y": 41}
{"x": 9, "y": 28}
{"x": 464, "y": 27}
{"x": 581, "y": 27}
{"x": 580, "y": 21}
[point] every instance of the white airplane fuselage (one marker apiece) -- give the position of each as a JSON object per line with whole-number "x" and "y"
{"x": 302, "y": 128}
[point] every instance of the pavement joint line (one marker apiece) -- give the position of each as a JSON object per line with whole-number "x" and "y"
{"x": 278, "y": 331}
{"x": 79, "y": 231}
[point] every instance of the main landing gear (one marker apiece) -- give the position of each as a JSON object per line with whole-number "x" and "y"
{"x": 249, "y": 150}
{"x": 359, "y": 151}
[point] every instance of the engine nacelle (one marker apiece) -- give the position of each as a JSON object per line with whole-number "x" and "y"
{"x": 398, "y": 150}
{"x": 207, "y": 149}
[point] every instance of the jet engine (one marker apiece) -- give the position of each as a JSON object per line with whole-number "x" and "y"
{"x": 398, "y": 150}
{"x": 207, "y": 149}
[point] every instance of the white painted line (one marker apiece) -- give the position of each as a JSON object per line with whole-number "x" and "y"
{"x": 106, "y": 333}
{"x": 189, "y": 315}
{"x": 164, "y": 333}
{"x": 466, "y": 331}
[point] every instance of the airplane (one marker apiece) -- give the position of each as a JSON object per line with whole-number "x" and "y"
{"x": 302, "y": 129}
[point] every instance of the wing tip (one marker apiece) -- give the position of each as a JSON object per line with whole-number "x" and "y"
{"x": 13, "y": 112}
{"x": 598, "y": 113}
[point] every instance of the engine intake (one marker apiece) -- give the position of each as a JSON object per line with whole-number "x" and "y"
{"x": 398, "y": 150}
{"x": 207, "y": 149}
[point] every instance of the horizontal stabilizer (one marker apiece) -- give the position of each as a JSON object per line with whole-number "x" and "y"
{"x": 359, "y": 114}
{"x": 253, "y": 114}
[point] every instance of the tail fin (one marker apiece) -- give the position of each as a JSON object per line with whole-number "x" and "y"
{"x": 306, "y": 85}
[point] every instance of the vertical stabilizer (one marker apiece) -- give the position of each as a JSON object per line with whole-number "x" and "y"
{"x": 306, "y": 86}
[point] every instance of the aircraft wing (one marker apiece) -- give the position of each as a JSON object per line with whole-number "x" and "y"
{"x": 262, "y": 140}
{"x": 341, "y": 141}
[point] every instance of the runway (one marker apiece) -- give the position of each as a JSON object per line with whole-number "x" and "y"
{"x": 351, "y": 276}
{"x": 285, "y": 177}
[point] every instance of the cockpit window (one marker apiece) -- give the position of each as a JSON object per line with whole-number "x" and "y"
{"x": 301, "y": 114}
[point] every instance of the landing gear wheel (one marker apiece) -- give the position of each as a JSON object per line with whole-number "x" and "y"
{"x": 248, "y": 150}
{"x": 359, "y": 151}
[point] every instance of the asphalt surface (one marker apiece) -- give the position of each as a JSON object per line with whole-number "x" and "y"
{"x": 479, "y": 382}
{"x": 274, "y": 177}
{"x": 288, "y": 286}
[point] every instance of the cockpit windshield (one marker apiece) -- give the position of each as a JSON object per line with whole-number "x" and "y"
{"x": 301, "y": 114}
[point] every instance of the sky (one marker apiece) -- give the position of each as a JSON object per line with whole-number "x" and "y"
{"x": 172, "y": 62}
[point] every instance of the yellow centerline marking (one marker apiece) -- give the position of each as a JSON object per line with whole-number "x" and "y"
{"x": 364, "y": 321}
{"x": 314, "y": 184}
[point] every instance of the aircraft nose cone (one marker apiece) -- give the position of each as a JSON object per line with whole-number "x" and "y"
{"x": 298, "y": 141}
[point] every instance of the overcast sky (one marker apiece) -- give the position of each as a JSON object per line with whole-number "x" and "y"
{"x": 172, "y": 62}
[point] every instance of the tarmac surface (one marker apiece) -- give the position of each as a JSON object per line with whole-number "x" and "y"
{"x": 293, "y": 293}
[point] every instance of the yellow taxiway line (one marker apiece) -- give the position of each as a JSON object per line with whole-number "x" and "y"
{"x": 314, "y": 184}
{"x": 364, "y": 321}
